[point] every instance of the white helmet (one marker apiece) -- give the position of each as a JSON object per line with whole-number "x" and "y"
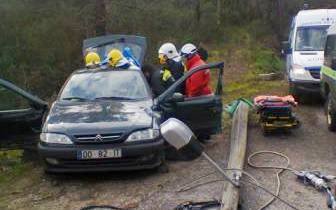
{"x": 188, "y": 49}
{"x": 169, "y": 50}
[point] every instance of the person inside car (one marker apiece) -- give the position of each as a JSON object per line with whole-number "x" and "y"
{"x": 154, "y": 79}
{"x": 198, "y": 83}
{"x": 115, "y": 59}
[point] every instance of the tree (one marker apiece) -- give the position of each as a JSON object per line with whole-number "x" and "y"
{"x": 198, "y": 12}
{"x": 100, "y": 8}
{"x": 220, "y": 5}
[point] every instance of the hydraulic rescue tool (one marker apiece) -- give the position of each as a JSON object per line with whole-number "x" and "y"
{"x": 320, "y": 182}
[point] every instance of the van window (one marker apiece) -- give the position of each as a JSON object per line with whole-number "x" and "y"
{"x": 291, "y": 33}
{"x": 330, "y": 51}
{"x": 331, "y": 46}
{"x": 311, "y": 38}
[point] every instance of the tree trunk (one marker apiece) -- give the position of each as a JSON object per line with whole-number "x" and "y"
{"x": 280, "y": 19}
{"x": 100, "y": 17}
{"x": 198, "y": 12}
{"x": 219, "y": 12}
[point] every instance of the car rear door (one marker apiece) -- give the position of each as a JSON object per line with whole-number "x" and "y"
{"x": 20, "y": 115}
{"x": 202, "y": 114}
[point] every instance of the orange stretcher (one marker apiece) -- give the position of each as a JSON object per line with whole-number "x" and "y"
{"x": 276, "y": 112}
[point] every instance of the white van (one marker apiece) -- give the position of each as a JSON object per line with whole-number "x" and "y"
{"x": 305, "y": 48}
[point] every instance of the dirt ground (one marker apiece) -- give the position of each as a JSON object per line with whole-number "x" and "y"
{"x": 138, "y": 190}
{"x": 309, "y": 147}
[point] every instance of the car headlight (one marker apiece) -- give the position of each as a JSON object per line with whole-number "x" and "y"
{"x": 298, "y": 70}
{"x": 55, "y": 138}
{"x": 148, "y": 134}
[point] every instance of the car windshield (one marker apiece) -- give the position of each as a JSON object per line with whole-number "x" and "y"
{"x": 105, "y": 85}
{"x": 311, "y": 38}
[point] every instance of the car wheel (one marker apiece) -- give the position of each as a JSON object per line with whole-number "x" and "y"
{"x": 204, "y": 138}
{"x": 174, "y": 155}
{"x": 331, "y": 114}
{"x": 163, "y": 168}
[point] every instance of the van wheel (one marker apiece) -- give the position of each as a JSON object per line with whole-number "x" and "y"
{"x": 299, "y": 96}
{"x": 331, "y": 114}
{"x": 293, "y": 90}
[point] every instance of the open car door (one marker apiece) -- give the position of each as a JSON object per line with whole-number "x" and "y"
{"x": 133, "y": 47}
{"x": 21, "y": 115}
{"x": 202, "y": 114}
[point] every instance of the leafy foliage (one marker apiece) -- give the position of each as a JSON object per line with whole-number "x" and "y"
{"x": 266, "y": 61}
{"x": 40, "y": 41}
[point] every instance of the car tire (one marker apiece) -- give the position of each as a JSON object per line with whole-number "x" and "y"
{"x": 204, "y": 138}
{"x": 174, "y": 155}
{"x": 330, "y": 113}
{"x": 163, "y": 168}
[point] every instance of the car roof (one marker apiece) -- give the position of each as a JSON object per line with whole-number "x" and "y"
{"x": 316, "y": 17}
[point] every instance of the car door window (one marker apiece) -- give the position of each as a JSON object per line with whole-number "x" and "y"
{"x": 10, "y": 100}
{"x": 202, "y": 114}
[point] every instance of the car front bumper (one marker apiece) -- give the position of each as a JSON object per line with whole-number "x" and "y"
{"x": 306, "y": 86}
{"x": 135, "y": 156}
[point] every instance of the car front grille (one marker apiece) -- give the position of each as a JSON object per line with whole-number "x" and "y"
{"x": 98, "y": 138}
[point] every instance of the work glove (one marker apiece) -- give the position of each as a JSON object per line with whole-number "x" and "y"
{"x": 166, "y": 75}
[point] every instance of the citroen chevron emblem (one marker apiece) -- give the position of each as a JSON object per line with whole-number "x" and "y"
{"x": 99, "y": 138}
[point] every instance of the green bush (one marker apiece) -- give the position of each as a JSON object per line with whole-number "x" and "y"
{"x": 265, "y": 61}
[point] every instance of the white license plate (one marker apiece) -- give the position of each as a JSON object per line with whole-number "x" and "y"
{"x": 99, "y": 154}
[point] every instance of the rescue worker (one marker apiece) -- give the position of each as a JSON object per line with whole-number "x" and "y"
{"x": 172, "y": 67}
{"x": 199, "y": 83}
{"x": 115, "y": 59}
{"x": 92, "y": 60}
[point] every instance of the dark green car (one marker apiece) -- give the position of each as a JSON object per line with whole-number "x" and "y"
{"x": 328, "y": 78}
{"x": 90, "y": 128}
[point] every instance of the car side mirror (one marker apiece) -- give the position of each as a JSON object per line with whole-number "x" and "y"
{"x": 333, "y": 64}
{"x": 177, "y": 97}
{"x": 286, "y": 48}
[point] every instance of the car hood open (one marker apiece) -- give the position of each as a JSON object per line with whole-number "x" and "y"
{"x": 103, "y": 44}
{"x": 78, "y": 118}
